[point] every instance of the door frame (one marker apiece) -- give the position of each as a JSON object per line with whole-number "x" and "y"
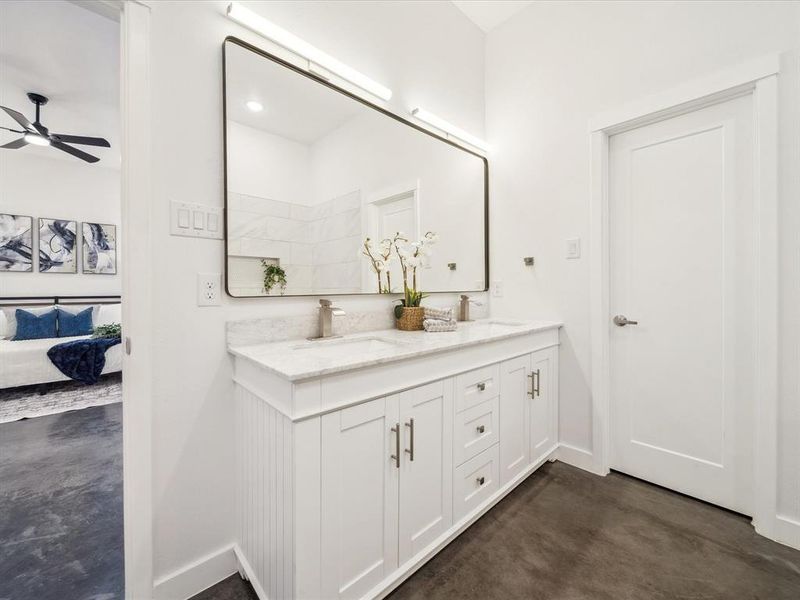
{"x": 137, "y": 294}
{"x": 758, "y": 78}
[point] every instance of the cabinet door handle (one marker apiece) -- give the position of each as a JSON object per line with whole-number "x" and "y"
{"x": 538, "y": 382}
{"x": 480, "y": 428}
{"x": 480, "y": 480}
{"x": 532, "y": 391}
{"x": 410, "y": 449}
{"x": 396, "y": 456}
{"x": 482, "y": 386}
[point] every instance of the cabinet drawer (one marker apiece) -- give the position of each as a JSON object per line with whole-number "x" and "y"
{"x": 475, "y": 481}
{"x": 476, "y": 386}
{"x": 476, "y": 429}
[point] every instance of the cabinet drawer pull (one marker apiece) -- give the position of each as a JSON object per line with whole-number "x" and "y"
{"x": 410, "y": 449}
{"x": 538, "y": 382}
{"x": 482, "y": 386}
{"x": 480, "y": 428}
{"x": 536, "y": 379}
{"x": 480, "y": 480}
{"x": 532, "y": 391}
{"x": 396, "y": 456}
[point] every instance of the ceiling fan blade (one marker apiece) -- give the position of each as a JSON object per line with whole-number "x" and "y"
{"x": 74, "y": 151}
{"x": 15, "y": 144}
{"x": 80, "y": 139}
{"x": 20, "y": 118}
{"x": 12, "y": 130}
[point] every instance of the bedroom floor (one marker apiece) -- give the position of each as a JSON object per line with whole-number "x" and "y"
{"x": 565, "y": 534}
{"x": 61, "y": 506}
{"x": 27, "y": 403}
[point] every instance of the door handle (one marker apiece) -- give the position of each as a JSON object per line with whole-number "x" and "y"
{"x": 532, "y": 391}
{"x": 538, "y": 374}
{"x": 410, "y": 450}
{"x": 396, "y": 456}
{"x": 622, "y": 320}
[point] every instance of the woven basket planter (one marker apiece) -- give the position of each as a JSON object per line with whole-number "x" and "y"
{"x": 411, "y": 319}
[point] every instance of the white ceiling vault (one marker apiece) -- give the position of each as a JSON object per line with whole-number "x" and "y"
{"x": 488, "y": 14}
{"x": 73, "y": 60}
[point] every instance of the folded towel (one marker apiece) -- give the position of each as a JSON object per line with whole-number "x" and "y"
{"x": 439, "y": 325}
{"x": 440, "y": 314}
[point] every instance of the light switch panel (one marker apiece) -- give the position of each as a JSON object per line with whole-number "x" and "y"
{"x": 195, "y": 220}
{"x": 574, "y": 248}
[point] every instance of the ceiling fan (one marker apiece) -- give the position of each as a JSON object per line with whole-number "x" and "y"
{"x": 37, "y": 134}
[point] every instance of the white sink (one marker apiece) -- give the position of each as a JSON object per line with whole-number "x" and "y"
{"x": 338, "y": 347}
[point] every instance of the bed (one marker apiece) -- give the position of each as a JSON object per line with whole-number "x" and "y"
{"x": 25, "y": 362}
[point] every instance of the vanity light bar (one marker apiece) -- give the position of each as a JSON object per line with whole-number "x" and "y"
{"x": 269, "y": 30}
{"x": 449, "y": 128}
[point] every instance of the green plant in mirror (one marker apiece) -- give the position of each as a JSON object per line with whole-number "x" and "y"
{"x": 273, "y": 275}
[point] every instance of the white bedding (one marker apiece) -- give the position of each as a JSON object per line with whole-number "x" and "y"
{"x": 25, "y": 362}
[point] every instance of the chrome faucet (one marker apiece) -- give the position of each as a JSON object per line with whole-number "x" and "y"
{"x": 326, "y": 313}
{"x": 464, "y": 307}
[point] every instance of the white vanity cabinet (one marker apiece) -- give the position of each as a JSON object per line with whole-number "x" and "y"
{"x": 348, "y": 481}
{"x": 385, "y": 493}
{"x": 529, "y": 415}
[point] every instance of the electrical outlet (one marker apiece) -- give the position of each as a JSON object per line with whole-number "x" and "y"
{"x": 497, "y": 289}
{"x": 208, "y": 286}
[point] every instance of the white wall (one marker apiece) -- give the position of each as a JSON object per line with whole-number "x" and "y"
{"x": 33, "y": 184}
{"x": 549, "y": 70}
{"x": 427, "y": 52}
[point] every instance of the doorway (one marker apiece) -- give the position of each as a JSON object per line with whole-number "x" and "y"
{"x": 758, "y": 80}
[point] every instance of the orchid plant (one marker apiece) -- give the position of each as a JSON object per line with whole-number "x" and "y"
{"x": 380, "y": 258}
{"x": 411, "y": 255}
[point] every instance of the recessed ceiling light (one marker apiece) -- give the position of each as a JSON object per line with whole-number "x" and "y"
{"x": 255, "y": 106}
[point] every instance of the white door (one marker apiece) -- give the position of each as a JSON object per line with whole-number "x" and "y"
{"x": 543, "y": 416}
{"x": 392, "y": 215}
{"x": 359, "y": 497}
{"x": 682, "y": 263}
{"x": 426, "y": 473}
{"x": 515, "y": 410}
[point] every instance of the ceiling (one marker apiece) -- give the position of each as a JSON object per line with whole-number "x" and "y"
{"x": 488, "y": 14}
{"x": 295, "y": 107}
{"x": 73, "y": 60}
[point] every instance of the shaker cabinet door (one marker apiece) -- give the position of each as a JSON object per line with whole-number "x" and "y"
{"x": 359, "y": 497}
{"x": 426, "y": 473}
{"x": 515, "y": 411}
{"x": 544, "y": 414}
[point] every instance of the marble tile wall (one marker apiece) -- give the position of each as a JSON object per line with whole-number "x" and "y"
{"x": 316, "y": 245}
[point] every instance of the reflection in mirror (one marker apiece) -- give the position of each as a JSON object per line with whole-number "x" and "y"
{"x": 311, "y": 173}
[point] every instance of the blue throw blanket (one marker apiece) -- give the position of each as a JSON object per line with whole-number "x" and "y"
{"x": 82, "y": 360}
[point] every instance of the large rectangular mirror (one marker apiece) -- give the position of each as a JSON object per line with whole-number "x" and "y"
{"x": 312, "y": 171}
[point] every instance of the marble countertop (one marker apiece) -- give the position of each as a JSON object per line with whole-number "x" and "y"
{"x": 303, "y": 359}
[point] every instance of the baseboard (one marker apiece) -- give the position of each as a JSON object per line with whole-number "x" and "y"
{"x": 577, "y": 457}
{"x": 196, "y": 576}
{"x": 787, "y": 531}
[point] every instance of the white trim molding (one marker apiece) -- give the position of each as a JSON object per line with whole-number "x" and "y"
{"x": 759, "y": 78}
{"x": 137, "y": 298}
{"x": 197, "y": 576}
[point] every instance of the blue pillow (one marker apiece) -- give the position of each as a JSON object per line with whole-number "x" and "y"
{"x": 70, "y": 325}
{"x": 35, "y": 327}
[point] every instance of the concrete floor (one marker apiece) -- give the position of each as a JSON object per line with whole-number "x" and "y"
{"x": 565, "y": 534}
{"x": 61, "y": 506}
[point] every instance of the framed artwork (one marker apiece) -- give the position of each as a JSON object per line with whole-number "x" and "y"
{"x": 99, "y": 248}
{"x": 16, "y": 243}
{"x": 58, "y": 246}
